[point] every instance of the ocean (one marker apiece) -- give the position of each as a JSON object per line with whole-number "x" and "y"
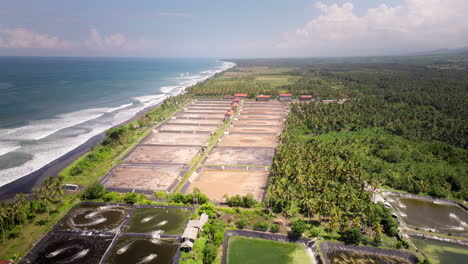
{"x": 51, "y": 105}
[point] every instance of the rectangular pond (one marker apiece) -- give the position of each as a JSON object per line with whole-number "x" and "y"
{"x": 440, "y": 252}
{"x": 243, "y": 250}
{"x": 88, "y": 217}
{"x": 162, "y": 220}
{"x": 69, "y": 249}
{"x": 435, "y": 216}
{"x": 143, "y": 250}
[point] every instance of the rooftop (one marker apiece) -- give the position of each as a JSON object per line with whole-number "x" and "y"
{"x": 306, "y": 96}
{"x": 263, "y": 96}
{"x": 241, "y": 94}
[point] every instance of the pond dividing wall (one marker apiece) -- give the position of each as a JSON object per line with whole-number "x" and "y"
{"x": 94, "y": 233}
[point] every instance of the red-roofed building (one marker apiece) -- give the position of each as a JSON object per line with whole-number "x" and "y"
{"x": 285, "y": 97}
{"x": 228, "y": 115}
{"x": 305, "y": 98}
{"x": 235, "y": 100}
{"x": 228, "y": 97}
{"x": 263, "y": 97}
{"x": 234, "y": 106}
{"x": 241, "y": 95}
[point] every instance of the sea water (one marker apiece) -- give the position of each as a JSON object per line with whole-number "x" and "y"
{"x": 49, "y": 106}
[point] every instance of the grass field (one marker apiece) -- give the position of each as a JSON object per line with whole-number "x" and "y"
{"x": 243, "y": 250}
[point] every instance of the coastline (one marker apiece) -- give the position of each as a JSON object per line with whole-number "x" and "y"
{"x": 26, "y": 183}
{"x": 34, "y": 179}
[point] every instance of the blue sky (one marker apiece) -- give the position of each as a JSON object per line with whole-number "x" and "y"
{"x": 259, "y": 28}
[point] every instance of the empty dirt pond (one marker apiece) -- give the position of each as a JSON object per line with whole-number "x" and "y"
{"x": 141, "y": 177}
{"x": 216, "y": 183}
{"x": 249, "y": 140}
{"x": 162, "y": 138}
{"x": 162, "y": 154}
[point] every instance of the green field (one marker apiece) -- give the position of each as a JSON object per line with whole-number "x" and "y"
{"x": 244, "y": 250}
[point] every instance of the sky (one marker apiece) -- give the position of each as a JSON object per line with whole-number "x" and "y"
{"x": 230, "y": 29}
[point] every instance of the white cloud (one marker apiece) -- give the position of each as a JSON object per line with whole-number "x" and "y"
{"x": 20, "y": 38}
{"x": 116, "y": 43}
{"x": 98, "y": 41}
{"x": 413, "y": 26}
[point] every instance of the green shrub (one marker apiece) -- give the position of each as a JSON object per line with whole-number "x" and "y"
{"x": 131, "y": 198}
{"x": 274, "y": 228}
{"x": 94, "y": 191}
{"x": 241, "y": 223}
{"x": 351, "y": 236}
{"x": 298, "y": 227}
{"x": 209, "y": 253}
{"x": 111, "y": 197}
{"x": 208, "y": 209}
{"x": 261, "y": 226}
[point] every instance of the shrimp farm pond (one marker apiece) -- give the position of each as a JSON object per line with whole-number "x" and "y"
{"x": 434, "y": 216}
{"x": 440, "y": 252}
{"x": 143, "y": 250}
{"x": 162, "y": 220}
{"x": 92, "y": 216}
{"x": 94, "y": 233}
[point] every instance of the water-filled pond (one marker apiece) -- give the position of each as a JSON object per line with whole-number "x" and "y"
{"x": 169, "y": 221}
{"x": 442, "y": 252}
{"x": 143, "y": 250}
{"x": 94, "y": 217}
{"x": 427, "y": 215}
{"x": 340, "y": 257}
{"x": 69, "y": 249}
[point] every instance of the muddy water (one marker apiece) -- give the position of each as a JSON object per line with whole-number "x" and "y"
{"x": 94, "y": 217}
{"x": 169, "y": 221}
{"x": 427, "y": 215}
{"x": 141, "y": 250}
{"x": 442, "y": 252}
{"x": 69, "y": 249}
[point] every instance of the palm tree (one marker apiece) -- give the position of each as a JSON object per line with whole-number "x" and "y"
{"x": 3, "y": 219}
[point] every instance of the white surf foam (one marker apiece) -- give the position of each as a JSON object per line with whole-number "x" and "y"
{"x": 7, "y": 147}
{"x": 40, "y": 129}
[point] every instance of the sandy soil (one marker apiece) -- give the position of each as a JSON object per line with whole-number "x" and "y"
{"x": 144, "y": 177}
{"x": 201, "y": 116}
{"x": 241, "y": 156}
{"x": 168, "y": 127}
{"x": 216, "y": 183}
{"x": 248, "y": 140}
{"x": 162, "y": 154}
{"x": 257, "y": 129}
{"x": 162, "y": 138}
{"x": 277, "y": 117}
{"x": 201, "y": 111}
{"x": 246, "y": 122}
{"x": 194, "y": 121}
{"x": 261, "y": 112}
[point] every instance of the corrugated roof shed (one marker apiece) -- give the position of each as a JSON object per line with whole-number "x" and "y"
{"x": 190, "y": 233}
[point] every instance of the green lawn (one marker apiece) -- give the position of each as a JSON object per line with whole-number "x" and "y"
{"x": 244, "y": 250}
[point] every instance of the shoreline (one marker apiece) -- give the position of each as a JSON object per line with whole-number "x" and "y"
{"x": 34, "y": 179}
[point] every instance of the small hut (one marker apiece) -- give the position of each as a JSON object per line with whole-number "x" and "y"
{"x": 228, "y": 115}
{"x": 305, "y": 98}
{"x": 285, "y": 97}
{"x": 263, "y": 97}
{"x": 234, "y": 106}
{"x": 236, "y": 100}
{"x": 241, "y": 95}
